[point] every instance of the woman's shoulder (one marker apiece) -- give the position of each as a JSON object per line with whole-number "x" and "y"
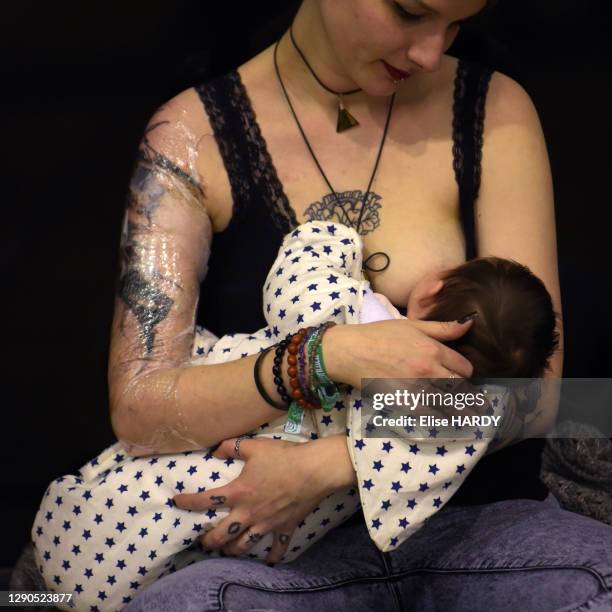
{"x": 180, "y": 130}
{"x": 507, "y": 102}
{"x": 500, "y": 84}
{"x": 184, "y": 111}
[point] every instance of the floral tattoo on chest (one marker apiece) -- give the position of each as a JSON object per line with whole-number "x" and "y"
{"x": 346, "y": 207}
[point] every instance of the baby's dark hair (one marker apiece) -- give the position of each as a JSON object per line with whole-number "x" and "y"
{"x": 514, "y": 335}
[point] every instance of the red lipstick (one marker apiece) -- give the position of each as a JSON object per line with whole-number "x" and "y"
{"x": 395, "y": 73}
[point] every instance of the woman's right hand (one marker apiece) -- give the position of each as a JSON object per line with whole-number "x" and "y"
{"x": 394, "y": 349}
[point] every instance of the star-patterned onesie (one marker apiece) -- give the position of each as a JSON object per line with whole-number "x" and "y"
{"x": 107, "y": 532}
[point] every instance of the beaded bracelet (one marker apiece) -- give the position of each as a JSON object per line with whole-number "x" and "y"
{"x": 313, "y": 345}
{"x": 260, "y": 387}
{"x": 312, "y": 332}
{"x": 327, "y": 391}
{"x": 310, "y": 352}
{"x": 319, "y": 367}
{"x": 301, "y": 365}
{"x": 310, "y": 392}
{"x": 276, "y": 370}
{"x": 298, "y": 394}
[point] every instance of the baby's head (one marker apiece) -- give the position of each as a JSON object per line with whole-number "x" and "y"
{"x": 514, "y": 334}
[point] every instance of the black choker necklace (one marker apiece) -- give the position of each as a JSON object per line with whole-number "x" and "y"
{"x": 346, "y": 121}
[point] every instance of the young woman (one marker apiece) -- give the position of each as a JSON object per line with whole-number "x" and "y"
{"x": 356, "y": 116}
{"x": 117, "y": 514}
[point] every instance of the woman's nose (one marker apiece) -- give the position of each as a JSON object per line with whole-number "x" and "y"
{"x": 428, "y": 50}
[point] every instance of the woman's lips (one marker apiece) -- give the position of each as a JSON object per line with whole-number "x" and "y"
{"x": 395, "y": 73}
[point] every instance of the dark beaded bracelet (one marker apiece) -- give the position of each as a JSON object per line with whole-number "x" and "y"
{"x": 260, "y": 387}
{"x": 276, "y": 370}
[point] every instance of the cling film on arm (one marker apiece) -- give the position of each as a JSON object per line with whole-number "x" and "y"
{"x": 164, "y": 250}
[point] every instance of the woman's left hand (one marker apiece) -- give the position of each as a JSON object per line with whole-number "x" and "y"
{"x": 280, "y": 484}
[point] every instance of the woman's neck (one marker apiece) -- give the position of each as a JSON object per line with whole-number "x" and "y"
{"x": 311, "y": 37}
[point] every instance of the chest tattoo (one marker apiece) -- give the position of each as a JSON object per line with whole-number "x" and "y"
{"x": 345, "y": 207}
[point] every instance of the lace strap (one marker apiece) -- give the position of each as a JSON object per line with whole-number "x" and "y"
{"x": 248, "y": 164}
{"x": 470, "y": 94}
{"x": 224, "y": 117}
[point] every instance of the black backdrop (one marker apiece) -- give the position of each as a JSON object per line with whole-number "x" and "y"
{"x": 80, "y": 81}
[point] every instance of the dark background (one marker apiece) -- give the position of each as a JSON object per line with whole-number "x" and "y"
{"x": 80, "y": 82}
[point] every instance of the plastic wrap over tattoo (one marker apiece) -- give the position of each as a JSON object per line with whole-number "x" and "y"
{"x": 165, "y": 246}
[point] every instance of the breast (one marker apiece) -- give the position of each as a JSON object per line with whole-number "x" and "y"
{"x": 420, "y": 233}
{"x": 418, "y": 239}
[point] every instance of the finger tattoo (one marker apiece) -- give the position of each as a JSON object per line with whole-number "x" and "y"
{"x": 234, "y": 528}
{"x": 218, "y": 500}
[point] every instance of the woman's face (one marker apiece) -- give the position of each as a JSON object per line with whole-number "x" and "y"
{"x": 374, "y": 39}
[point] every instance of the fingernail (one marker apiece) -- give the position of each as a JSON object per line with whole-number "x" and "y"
{"x": 467, "y": 317}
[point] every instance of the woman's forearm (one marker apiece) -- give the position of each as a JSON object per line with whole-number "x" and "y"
{"x": 179, "y": 409}
{"x": 540, "y": 421}
{"x": 176, "y": 409}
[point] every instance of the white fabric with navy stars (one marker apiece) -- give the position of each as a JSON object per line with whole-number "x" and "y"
{"x": 107, "y": 532}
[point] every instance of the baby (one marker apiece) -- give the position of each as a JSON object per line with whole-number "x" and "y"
{"x": 112, "y": 529}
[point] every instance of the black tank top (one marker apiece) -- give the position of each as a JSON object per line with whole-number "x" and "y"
{"x": 231, "y": 298}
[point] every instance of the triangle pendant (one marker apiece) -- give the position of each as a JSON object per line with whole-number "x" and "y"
{"x": 346, "y": 121}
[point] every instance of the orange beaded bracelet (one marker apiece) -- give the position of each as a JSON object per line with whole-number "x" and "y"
{"x": 298, "y": 394}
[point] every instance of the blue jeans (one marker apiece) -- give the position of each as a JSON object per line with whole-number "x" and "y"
{"x": 513, "y": 555}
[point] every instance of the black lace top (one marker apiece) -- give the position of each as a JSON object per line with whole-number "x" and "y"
{"x": 231, "y": 294}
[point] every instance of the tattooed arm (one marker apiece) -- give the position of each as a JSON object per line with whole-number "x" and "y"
{"x": 165, "y": 243}
{"x": 159, "y": 402}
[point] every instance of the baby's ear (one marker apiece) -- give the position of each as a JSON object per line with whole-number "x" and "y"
{"x": 426, "y": 289}
{"x": 433, "y": 286}
{"x": 422, "y": 295}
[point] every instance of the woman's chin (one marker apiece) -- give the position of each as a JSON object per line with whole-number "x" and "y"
{"x": 381, "y": 88}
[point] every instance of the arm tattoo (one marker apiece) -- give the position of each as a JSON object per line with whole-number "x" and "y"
{"x": 234, "y": 528}
{"x": 138, "y": 288}
{"x": 147, "y": 301}
{"x": 149, "y": 304}
{"x": 218, "y": 500}
{"x": 145, "y": 190}
{"x": 165, "y": 164}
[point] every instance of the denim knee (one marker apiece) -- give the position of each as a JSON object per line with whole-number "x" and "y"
{"x": 525, "y": 589}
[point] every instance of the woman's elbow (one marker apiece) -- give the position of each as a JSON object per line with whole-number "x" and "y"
{"x": 148, "y": 419}
{"x": 128, "y": 428}
{"x": 137, "y": 436}
{"x": 137, "y": 414}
